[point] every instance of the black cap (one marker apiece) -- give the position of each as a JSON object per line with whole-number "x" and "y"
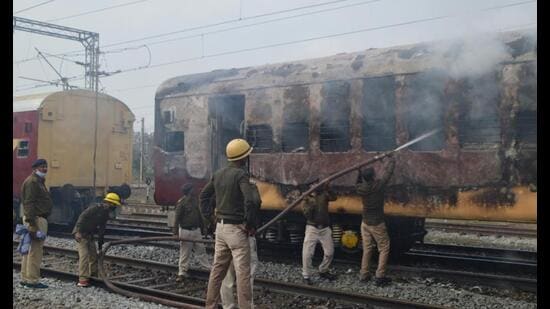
{"x": 186, "y": 188}
{"x": 39, "y": 162}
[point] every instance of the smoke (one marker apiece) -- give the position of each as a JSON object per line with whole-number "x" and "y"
{"x": 472, "y": 56}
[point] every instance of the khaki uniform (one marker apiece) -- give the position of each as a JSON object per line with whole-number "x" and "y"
{"x": 228, "y": 284}
{"x": 237, "y": 206}
{"x": 91, "y": 221}
{"x": 37, "y": 206}
{"x": 188, "y": 225}
{"x": 373, "y": 228}
{"x": 317, "y": 230}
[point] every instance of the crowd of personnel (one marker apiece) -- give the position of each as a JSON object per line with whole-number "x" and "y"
{"x": 229, "y": 204}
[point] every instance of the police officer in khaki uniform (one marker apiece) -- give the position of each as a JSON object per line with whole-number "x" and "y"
{"x": 228, "y": 284}
{"x": 373, "y": 228}
{"x": 37, "y": 206}
{"x": 236, "y": 213}
{"x": 188, "y": 224}
{"x": 90, "y": 221}
{"x": 318, "y": 230}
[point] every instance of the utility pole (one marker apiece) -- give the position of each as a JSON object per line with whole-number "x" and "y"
{"x": 141, "y": 155}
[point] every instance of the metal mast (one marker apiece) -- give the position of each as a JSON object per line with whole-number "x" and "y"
{"x": 90, "y": 40}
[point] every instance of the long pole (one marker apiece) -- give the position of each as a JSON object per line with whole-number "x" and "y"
{"x": 141, "y": 154}
{"x": 341, "y": 173}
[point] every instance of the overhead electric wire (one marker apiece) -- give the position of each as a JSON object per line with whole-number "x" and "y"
{"x": 97, "y": 10}
{"x": 207, "y": 26}
{"x": 32, "y": 7}
{"x": 316, "y": 38}
{"x": 422, "y": 20}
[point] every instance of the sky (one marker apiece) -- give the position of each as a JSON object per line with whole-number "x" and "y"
{"x": 151, "y": 41}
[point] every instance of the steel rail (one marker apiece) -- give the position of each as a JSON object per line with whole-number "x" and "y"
{"x": 286, "y": 287}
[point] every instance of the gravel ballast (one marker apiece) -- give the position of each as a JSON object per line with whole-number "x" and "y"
{"x": 419, "y": 289}
{"x": 64, "y": 294}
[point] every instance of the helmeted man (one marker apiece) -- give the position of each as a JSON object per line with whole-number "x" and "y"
{"x": 228, "y": 284}
{"x": 318, "y": 230}
{"x": 373, "y": 227}
{"x": 188, "y": 224}
{"x": 92, "y": 221}
{"x": 236, "y": 212}
{"x": 37, "y": 206}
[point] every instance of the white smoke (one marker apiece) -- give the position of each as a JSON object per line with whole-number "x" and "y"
{"x": 472, "y": 56}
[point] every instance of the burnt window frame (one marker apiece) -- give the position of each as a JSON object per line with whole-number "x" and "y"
{"x": 170, "y": 136}
{"x": 379, "y": 125}
{"x": 302, "y": 125}
{"x": 470, "y": 129}
{"x": 168, "y": 116}
{"x": 265, "y": 143}
{"x": 330, "y": 123}
{"x": 438, "y": 76}
{"x": 20, "y": 148}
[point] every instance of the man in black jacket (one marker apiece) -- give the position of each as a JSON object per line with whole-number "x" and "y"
{"x": 236, "y": 213}
{"x": 373, "y": 226}
{"x": 188, "y": 224}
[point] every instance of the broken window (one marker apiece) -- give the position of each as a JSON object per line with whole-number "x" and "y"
{"x": 479, "y": 122}
{"x": 526, "y": 128}
{"x": 378, "y": 110}
{"x": 23, "y": 149}
{"x": 260, "y": 137}
{"x": 168, "y": 116}
{"x": 174, "y": 141}
{"x": 335, "y": 111}
{"x": 295, "y": 137}
{"x": 424, "y": 109}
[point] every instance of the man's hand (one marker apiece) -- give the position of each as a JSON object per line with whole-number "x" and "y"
{"x": 251, "y": 231}
{"x": 78, "y": 236}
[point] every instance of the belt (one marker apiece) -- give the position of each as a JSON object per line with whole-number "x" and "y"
{"x": 319, "y": 226}
{"x": 229, "y": 221}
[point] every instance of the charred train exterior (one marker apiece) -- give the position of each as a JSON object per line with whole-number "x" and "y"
{"x": 309, "y": 119}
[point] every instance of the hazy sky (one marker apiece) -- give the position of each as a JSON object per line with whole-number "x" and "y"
{"x": 186, "y": 31}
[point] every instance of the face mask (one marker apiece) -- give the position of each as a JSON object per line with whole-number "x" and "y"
{"x": 40, "y": 174}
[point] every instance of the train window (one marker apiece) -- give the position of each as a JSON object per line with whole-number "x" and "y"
{"x": 168, "y": 116}
{"x": 23, "y": 149}
{"x": 28, "y": 127}
{"x": 378, "y": 110}
{"x": 479, "y": 122}
{"x": 260, "y": 137}
{"x": 335, "y": 111}
{"x": 174, "y": 141}
{"x": 295, "y": 137}
{"x": 526, "y": 128}
{"x": 424, "y": 109}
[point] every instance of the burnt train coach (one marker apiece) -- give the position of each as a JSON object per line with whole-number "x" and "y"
{"x": 61, "y": 128}
{"x": 309, "y": 119}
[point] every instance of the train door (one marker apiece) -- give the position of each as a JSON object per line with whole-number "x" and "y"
{"x": 226, "y": 116}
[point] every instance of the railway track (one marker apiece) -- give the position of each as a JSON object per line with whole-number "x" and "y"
{"x": 157, "y": 279}
{"x": 483, "y": 229}
{"x": 154, "y": 216}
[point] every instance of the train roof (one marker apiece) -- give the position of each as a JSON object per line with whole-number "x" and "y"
{"x": 412, "y": 58}
{"x": 34, "y": 101}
